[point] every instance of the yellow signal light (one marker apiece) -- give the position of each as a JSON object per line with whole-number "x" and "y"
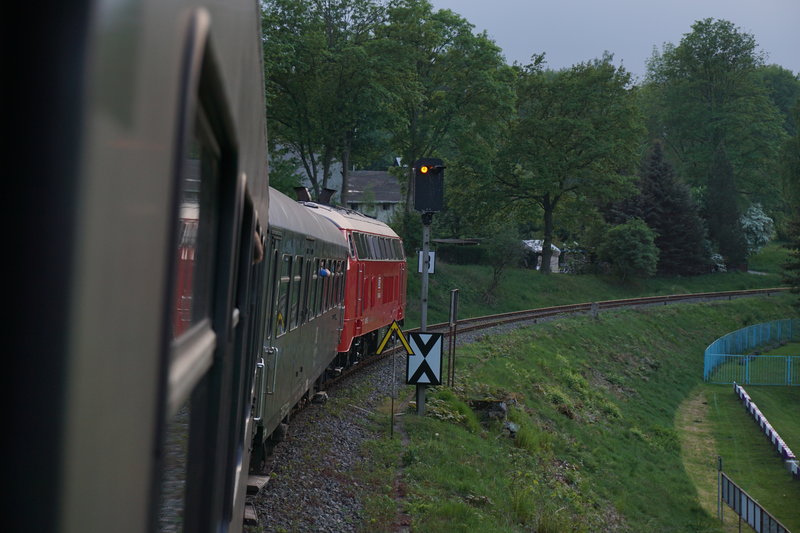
{"x": 424, "y": 169}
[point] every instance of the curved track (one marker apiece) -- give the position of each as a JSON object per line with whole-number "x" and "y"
{"x": 532, "y": 315}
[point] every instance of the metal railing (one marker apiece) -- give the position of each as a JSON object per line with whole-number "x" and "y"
{"x": 727, "y": 359}
{"x": 748, "y": 509}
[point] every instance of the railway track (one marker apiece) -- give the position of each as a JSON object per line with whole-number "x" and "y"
{"x": 469, "y": 325}
{"x": 299, "y": 475}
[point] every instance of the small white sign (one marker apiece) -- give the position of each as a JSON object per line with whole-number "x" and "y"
{"x": 432, "y": 255}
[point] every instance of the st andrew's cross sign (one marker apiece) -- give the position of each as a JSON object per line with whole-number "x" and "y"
{"x": 424, "y": 363}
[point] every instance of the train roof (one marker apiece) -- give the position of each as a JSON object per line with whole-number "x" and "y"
{"x": 348, "y": 219}
{"x": 285, "y": 213}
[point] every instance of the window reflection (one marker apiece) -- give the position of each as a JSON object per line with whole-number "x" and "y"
{"x": 195, "y": 235}
{"x": 196, "y": 227}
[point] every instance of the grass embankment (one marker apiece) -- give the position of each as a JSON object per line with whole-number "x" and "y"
{"x": 597, "y": 404}
{"x": 527, "y": 289}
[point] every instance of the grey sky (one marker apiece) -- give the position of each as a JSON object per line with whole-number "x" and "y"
{"x": 571, "y": 31}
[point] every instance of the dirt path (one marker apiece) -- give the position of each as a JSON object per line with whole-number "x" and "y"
{"x": 699, "y": 453}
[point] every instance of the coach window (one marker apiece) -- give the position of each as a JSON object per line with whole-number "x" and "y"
{"x": 282, "y": 307}
{"x": 329, "y": 288}
{"x": 313, "y": 289}
{"x": 338, "y": 285}
{"x": 294, "y": 292}
{"x": 193, "y": 339}
{"x": 305, "y": 296}
{"x": 350, "y": 241}
{"x": 329, "y": 280}
{"x": 323, "y": 291}
{"x": 196, "y": 237}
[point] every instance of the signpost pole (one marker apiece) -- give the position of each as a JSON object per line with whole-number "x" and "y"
{"x": 719, "y": 487}
{"x": 451, "y": 355}
{"x": 427, "y": 218}
{"x": 394, "y": 384}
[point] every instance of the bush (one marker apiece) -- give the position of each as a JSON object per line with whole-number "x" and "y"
{"x": 630, "y": 250}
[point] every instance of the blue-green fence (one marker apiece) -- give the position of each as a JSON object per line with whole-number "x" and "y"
{"x": 726, "y": 360}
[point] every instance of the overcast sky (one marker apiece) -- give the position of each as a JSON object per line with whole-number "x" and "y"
{"x": 572, "y": 31}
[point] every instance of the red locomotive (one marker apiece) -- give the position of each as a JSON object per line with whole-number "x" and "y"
{"x": 375, "y": 284}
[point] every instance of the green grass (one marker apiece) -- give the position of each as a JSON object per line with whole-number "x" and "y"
{"x": 781, "y": 406}
{"x": 527, "y": 289}
{"x": 597, "y": 449}
{"x": 748, "y": 457}
{"x": 770, "y": 259}
{"x": 790, "y": 348}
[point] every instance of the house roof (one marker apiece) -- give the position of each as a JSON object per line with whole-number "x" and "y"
{"x": 535, "y": 245}
{"x": 374, "y": 186}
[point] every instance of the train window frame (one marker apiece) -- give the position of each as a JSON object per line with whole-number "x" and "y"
{"x": 336, "y": 282}
{"x": 342, "y": 267}
{"x": 313, "y": 293}
{"x": 283, "y": 297}
{"x": 191, "y": 352}
{"x": 295, "y": 292}
{"x": 370, "y": 247}
{"x": 305, "y": 297}
{"x": 273, "y": 278}
{"x": 361, "y": 246}
{"x": 207, "y": 492}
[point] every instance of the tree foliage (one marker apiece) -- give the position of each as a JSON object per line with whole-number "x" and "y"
{"x": 757, "y": 228}
{"x": 320, "y": 77}
{"x": 791, "y": 176}
{"x": 724, "y": 219}
{"x": 668, "y": 209}
{"x": 707, "y": 91}
{"x": 630, "y": 250}
{"x": 783, "y": 88}
{"x": 576, "y": 133}
{"x": 449, "y": 81}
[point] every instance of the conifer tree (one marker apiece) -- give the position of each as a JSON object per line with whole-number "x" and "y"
{"x": 723, "y": 213}
{"x": 668, "y": 208}
{"x": 791, "y": 175}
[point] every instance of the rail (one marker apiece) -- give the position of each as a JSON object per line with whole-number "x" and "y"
{"x": 533, "y": 315}
{"x": 471, "y": 324}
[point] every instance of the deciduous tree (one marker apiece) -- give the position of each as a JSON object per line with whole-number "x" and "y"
{"x": 320, "y": 73}
{"x": 449, "y": 81}
{"x": 576, "y": 136}
{"x": 708, "y": 91}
